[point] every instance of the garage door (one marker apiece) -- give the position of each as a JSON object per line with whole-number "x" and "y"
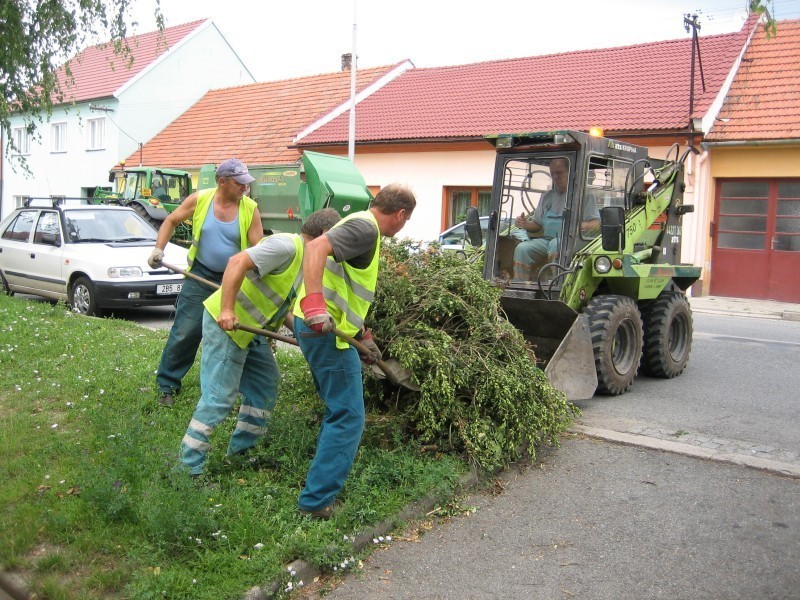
{"x": 756, "y": 239}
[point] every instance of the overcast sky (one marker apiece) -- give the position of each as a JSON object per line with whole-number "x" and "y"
{"x": 282, "y": 40}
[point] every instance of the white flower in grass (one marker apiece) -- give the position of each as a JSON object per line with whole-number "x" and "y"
{"x": 54, "y": 426}
{"x": 258, "y": 546}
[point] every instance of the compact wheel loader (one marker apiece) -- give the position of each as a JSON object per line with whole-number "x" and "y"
{"x": 590, "y": 265}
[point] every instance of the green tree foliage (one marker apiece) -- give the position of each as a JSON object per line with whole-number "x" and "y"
{"x": 481, "y": 392}
{"x": 38, "y": 36}
{"x": 761, "y": 7}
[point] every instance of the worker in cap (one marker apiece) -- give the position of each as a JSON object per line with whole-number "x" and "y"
{"x": 224, "y": 222}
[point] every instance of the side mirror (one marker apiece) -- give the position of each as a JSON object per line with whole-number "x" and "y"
{"x": 51, "y": 239}
{"x": 612, "y": 228}
{"x": 472, "y": 226}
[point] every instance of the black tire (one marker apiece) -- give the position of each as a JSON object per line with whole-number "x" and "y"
{"x": 145, "y": 215}
{"x": 667, "y": 335}
{"x": 617, "y": 338}
{"x": 82, "y": 298}
{"x": 4, "y": 286}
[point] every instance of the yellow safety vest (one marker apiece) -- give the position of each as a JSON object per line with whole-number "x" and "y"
{"x": 263, "y": 301}
{"x": 204, "y": 201}
{"x": 348, "y": 291}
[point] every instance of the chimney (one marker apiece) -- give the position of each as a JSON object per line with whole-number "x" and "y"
{"x": 347, "y": 61}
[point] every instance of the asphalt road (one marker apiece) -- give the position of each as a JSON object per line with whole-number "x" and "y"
{"x": 599, "y": 520}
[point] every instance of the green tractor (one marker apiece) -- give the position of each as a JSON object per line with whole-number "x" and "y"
{"x": 152, "y": 192}
{"x": 594, "y": 281}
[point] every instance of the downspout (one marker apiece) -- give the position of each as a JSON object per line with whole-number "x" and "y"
{"x": 700, "y": 242}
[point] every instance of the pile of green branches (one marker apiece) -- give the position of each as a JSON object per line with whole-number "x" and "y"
{"x": 481, "y": 392}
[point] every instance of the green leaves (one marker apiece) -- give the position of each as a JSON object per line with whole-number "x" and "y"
{"x": 481, "y": 393}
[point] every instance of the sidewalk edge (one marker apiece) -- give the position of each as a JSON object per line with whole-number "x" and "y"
{"x": 629, "y": 439}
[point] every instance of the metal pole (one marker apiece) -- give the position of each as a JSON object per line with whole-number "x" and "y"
{"x": 351, "y": 146}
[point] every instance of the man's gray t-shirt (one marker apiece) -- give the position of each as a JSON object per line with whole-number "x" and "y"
{"x": 553, "y": 200}
{"x": 354, "y": 242}
{"x": 272, "y": 255}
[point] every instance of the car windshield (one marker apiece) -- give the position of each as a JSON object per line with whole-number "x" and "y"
{"x": 84, "y": 226}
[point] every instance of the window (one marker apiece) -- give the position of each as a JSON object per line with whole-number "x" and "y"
{"x": 20, "y": 228}
{"x": 96, "y": 133}
{"x": 47, "y": 230}
{"x": 58, "y": 132}
{"x": 21, "y": 140}
{"x": 458, "y": 199}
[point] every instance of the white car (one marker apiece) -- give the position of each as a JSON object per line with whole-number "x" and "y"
{"x": 455, "y": 238}
{"x": 92, "y": 256}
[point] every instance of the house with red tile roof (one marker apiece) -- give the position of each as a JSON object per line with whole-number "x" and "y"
{"x": 113, "y": 104}
{"x": 752, "y": 174}
{"x": 426, "y": 128}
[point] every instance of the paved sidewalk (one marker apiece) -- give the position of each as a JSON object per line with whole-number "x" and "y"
{"x": 767, "y": 309}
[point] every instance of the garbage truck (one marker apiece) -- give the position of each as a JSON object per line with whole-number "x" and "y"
{"x": 591, "y": 270}
{"x": 287, "y": 193}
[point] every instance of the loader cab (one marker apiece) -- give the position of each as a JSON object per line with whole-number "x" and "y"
{"x": 551, "y": 187}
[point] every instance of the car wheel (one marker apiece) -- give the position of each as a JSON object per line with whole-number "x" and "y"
{"x": 617, "y": 340}
{"x": 82, "y": 298}
{"x": 4, "y": 286}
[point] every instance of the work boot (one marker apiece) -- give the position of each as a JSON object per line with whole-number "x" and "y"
{"x": 323, "y": 513}
{"x": 166, "y": 399}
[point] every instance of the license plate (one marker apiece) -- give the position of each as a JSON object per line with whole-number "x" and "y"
{"x": 168, "y": 288}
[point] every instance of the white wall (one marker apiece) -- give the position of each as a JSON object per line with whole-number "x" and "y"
{"x": 151, "y": 102}
{"x": 427, "y": 173}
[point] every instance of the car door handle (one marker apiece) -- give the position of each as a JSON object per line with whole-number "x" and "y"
{"x": 33, "y": 255}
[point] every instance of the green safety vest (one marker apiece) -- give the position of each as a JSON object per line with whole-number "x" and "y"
{"x": 204, "y": 202}
{"x": 263, "y": 301}
{"x": 348, "y": 291}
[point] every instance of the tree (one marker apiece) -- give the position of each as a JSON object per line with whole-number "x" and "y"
{"x": 763, "y": 6}
{"x": 38, "y": 37}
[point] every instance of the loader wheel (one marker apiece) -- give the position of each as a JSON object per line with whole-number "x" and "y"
{"x": 667, "y": 335}
{"x": 145, "y": 215}
{"x": 82, "y": 298}
{"x": 616, "y": 327}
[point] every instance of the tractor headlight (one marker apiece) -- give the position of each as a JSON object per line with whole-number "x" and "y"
{"x": 124, "y": 272}
{"x": 602, "y": 264}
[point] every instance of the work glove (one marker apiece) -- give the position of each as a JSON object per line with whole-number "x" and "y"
{"x": 156, "y": 256}
{"x": 315, "y": 313}
{"x": 374, "y": 352}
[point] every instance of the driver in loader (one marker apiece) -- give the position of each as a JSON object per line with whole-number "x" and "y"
{"x": 547, "y": 220}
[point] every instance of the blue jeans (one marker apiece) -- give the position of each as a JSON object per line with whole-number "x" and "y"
{"x": 225, "y": 370}
{"x": 337, "y": 377}
{"x": 186, "y": 332}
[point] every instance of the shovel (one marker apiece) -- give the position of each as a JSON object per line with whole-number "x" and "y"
{"x": 390, "y": 369}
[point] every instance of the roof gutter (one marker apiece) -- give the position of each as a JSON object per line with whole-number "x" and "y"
{"x": 746, "y": 143}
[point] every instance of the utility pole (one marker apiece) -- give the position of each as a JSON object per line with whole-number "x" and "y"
{"x": 351, "y": 145}
{"x": 690, "y": 22}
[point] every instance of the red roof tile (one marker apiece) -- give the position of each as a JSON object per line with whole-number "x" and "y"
{"x": 764, "y": 100}
{"x": 254, "y": 122}
{"x": 97, "y": 72}
{"x": 640, "y": 87}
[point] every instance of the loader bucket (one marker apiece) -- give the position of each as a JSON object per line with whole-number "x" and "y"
{"x": 562, "y": 342}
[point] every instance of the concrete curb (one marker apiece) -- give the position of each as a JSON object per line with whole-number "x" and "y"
{"x": 629, "y": 439}
{"x": 304, "y": 571}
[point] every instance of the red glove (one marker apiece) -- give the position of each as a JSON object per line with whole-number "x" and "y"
{"x": 374, "y": 352}
{"x": 315, "y": 313}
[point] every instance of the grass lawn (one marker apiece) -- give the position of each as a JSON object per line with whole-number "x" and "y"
{"x": 92, "y": 506}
